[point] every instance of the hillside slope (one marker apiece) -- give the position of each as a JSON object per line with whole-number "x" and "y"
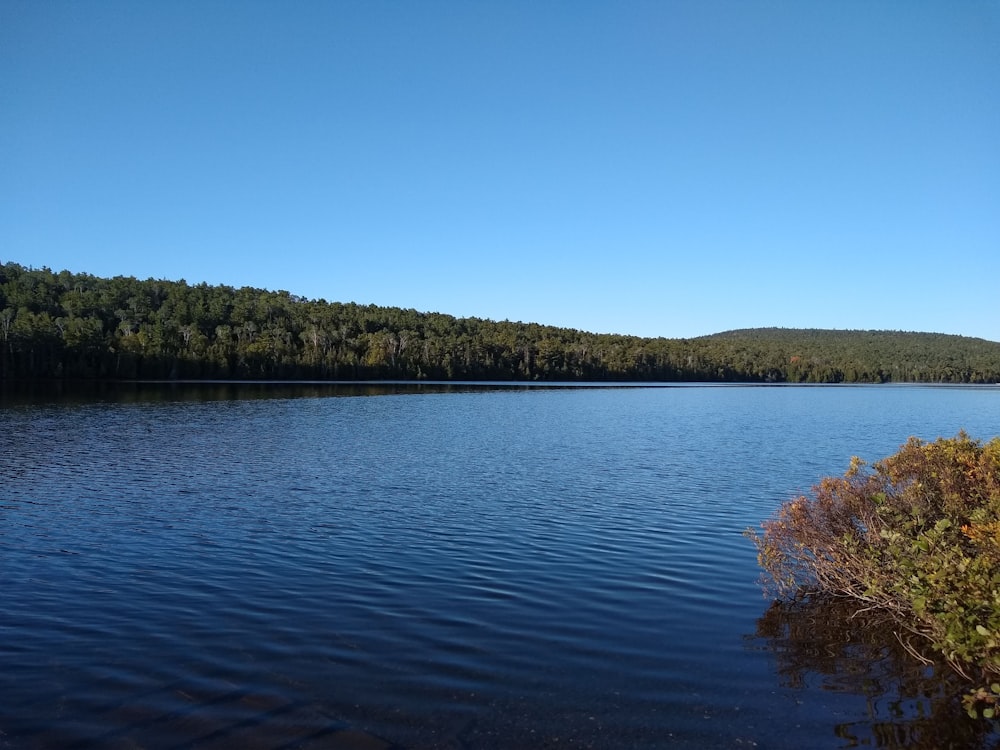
{"x": 870, "y": 356}
{"x": 75, "y": 325}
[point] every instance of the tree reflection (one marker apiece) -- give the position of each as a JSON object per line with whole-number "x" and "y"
{"x": 911, "y": 704}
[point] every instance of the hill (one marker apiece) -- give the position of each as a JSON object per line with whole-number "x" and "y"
{"x": 75, "y": 325}
{"x": 859, "y": 356}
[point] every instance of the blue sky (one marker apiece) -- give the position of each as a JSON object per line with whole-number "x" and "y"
{"x": 654, "y": 168}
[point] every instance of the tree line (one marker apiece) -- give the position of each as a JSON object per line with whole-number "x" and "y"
{"x": 79, "y": 326}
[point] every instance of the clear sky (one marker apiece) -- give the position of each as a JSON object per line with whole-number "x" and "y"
{"x": 655, "y": 168}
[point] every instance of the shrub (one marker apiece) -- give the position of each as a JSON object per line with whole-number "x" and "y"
{"x": 915, "y": 536}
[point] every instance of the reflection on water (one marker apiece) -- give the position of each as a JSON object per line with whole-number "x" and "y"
{"x": 129, "y": 392}
{"x": 827, "y": 642}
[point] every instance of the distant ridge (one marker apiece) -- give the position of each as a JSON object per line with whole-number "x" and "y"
{"x": 78, "y": 326}
{"x": 779, "y": 334}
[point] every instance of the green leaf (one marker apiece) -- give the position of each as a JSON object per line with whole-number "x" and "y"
{"x": 989, "y": 713}
{"x": 981, "y": 630}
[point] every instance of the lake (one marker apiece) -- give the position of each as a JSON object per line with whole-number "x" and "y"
{"x": 439, "y": 567}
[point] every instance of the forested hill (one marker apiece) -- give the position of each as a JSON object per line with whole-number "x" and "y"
{"x": 818, "y": 355}
{"x": 75, "y": 325}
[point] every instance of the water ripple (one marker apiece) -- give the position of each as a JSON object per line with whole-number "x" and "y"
{"x": 471, "y": 570}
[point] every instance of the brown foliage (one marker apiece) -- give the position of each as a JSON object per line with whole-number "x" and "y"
{"x": 915, "y": 536}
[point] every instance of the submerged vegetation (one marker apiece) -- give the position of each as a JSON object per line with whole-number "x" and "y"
{"x": 914, "y": 539}
{"x": 75, "y": 325}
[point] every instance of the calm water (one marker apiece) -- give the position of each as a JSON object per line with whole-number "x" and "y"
{"x": 479, "y": 568}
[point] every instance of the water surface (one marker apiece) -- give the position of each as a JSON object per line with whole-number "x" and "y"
{"x": 481, "y": 567}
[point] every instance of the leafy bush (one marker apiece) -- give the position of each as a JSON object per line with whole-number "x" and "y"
{"x": 916, "y": 536}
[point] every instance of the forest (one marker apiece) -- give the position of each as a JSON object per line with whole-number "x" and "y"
{"x": 65, "y": 325}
